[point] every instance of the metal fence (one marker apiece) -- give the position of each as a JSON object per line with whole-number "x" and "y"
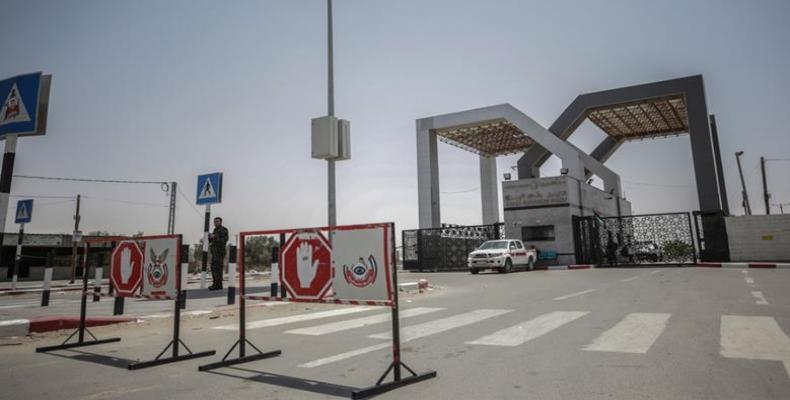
{"x": 635, "y": 239}
{"x": 445, "y": 249}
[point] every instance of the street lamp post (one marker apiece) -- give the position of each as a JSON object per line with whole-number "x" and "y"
{"x": 746, "y": 208}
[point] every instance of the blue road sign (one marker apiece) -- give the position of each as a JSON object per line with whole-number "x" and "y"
{"x": 209, "y": 188}
{"x": 24, "y": 211}
{"x": 20, "y": 98}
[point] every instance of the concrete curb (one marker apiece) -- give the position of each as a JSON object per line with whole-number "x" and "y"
{"x": 744, "y": 265}
{"x": 22, "y": 327}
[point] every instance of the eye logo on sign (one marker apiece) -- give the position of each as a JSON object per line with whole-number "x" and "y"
{"x": 361, "y": 273}
{"x": 157, "y": 269}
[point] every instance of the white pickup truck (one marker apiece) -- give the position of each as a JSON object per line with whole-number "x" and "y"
{"x": 501, "y": 255}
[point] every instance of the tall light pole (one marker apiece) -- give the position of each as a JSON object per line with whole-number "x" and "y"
{"x": 331, "y": 136}
{"x": 330, "y": 100}
{"x": 766, "y": 195}
{"x": 747, "y": 209}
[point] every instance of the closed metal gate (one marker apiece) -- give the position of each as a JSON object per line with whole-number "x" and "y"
{"x": 445, "y": 249}
{"x": 634, "y": 239}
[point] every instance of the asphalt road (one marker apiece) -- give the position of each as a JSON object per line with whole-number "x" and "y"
{"x": 650, "y": 333}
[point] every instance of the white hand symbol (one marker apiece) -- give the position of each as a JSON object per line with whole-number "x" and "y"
{"x": 126, "y": 264}
{"x": 305, "y": 266}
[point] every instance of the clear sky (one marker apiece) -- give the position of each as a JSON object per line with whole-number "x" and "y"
{"x": 166, "y": 90}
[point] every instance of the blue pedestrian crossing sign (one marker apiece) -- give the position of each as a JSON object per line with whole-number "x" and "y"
{"x": 24, "y": 211}
{"x": 23, "y": 104}
{"x": 209, "y": 188}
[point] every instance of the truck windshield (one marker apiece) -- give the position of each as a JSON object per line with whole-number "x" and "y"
{"x": 499, "y": 244}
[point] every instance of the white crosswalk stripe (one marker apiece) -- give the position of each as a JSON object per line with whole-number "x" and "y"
{"x": 339, "y": 326}
{"x": 413, "y": 332}
{"x": 636, "y": 333}
{"x": 526, "y": 331}
{"x": 441, "y": 325}
{"x": 754, "y": 338}
{"x": 265, "y": 323}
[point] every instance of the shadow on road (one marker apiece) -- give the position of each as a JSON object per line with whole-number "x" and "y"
{"x": 109, "y": 361}
{"x": 309, "y": 385}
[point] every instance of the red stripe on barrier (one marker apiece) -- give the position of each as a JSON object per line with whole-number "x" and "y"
{"x": 580, "y": 266}
{"x": 321, "y": 301}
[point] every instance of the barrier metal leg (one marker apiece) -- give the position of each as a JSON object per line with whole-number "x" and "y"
{"x": 380, "y": 387}
{"x": 241, "y": 359}
{"x": 396, "y": 364}
{"x": 80, "y": 332}
{"x": 174, "y": 345}
{"x": 242, "y": 341}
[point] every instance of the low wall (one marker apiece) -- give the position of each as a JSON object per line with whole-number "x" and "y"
{"x": 759, "y": 237}
{"x": 37, "y": 274}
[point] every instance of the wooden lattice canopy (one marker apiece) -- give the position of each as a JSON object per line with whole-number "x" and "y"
{"x": 488, "y": 138}
{"x": 643, "y": 119}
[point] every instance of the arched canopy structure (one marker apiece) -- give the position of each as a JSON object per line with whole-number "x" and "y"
{"x": 490, "y": 132}
{"x": 650, "y": 110}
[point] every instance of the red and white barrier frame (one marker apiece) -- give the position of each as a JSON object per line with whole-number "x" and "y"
{"x": 158, "y": 279}
{"x": 362, "y": 275}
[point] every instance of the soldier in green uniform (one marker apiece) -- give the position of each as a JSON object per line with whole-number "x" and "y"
{"x": 217, "y": 242}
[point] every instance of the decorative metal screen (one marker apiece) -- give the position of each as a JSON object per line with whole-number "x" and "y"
{"x": 635, "y": 239}
{"x": 447, "y": 248}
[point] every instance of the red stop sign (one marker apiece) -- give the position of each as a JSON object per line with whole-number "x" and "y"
{"x": 126, "y": 268}
{"x": 306, "y": 261}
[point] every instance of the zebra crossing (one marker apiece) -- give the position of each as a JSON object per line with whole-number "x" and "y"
{"x": 744, "y": 337}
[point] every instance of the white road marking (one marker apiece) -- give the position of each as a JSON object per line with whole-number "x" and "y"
{"x": 636, "y": 333}
{"x": 36, "y": 304}
{"x": 333, "y": 327}
{"x": 749, "y": 280}
{"x": 655, "y": 271}
{"x": 754, "y": 338}
{"x": 760, "y": 298}
{"x": 629, "y": 279}
{"x": 343, "y": 356}
{"x": 411, "y": 333}
{"x": 265, "y": 323}
{"x": 526, "y": 331}
{"x": 568, "y": 296}
{"x": 441, "y": 325}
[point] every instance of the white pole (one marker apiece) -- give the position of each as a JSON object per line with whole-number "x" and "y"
{"x": 18, "y": 259}
{"x": 97, "y": 277}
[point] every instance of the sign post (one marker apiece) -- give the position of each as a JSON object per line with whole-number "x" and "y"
{"x": 24, "y": 214}
{"x": 23, "y": 112}
{"x": 209, "y": 191}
